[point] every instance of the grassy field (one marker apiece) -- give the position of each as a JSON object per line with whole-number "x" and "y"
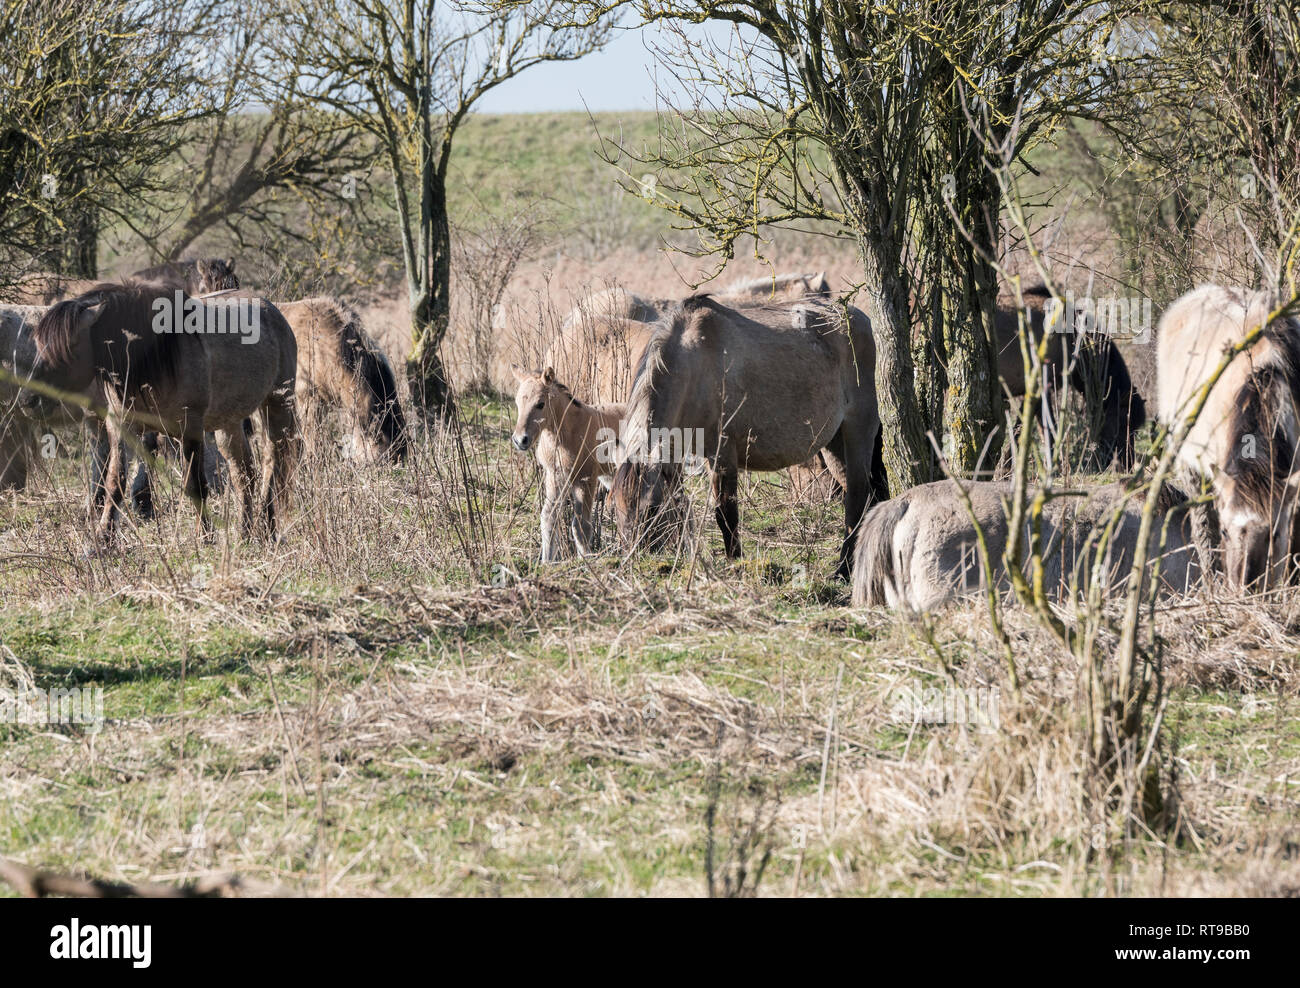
{"x": 396, "y": 699}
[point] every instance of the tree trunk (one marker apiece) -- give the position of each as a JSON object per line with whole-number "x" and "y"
{"x": 972, "y": 402}
{"x": 431, "y": 307}
{"x": 80, "y": 254}
{"x": 908, "y": 455}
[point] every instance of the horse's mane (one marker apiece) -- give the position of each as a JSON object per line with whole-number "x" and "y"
{"x": 361, "y": 358}
{"x": 1258, "y": 411}
{"x": 127, "y": 353}
{"x": 653, "y": 363}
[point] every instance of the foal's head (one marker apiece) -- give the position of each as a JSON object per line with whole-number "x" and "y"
{"x": 541, "y": 401}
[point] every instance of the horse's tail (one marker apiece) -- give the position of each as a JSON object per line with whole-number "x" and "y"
{"x": 873, "y": 567}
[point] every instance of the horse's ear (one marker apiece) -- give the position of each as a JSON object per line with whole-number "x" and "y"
{"x": 820, "y": 285}
{"x": 230, "y": 265}
{"x": 549, "y": 375}
{"x": 88, "y": 314}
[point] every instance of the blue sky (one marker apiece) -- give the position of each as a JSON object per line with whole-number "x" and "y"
{"x": 621, "y": 77}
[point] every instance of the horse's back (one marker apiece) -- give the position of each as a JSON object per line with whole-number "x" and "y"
{"x": 1192, "y": 336}
{"x": 247, "y": 366}
{"x": 935, "y": 546}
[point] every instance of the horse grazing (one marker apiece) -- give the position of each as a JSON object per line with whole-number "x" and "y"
{"x": 339, "y": 365}
{"x": 1088, "y": 362}
{"x": 571, "y": 441}
{"x": 921, "y": 549}
{"x": 200, "y": 276}
{"x": 759, "y": 387}
{"x": 158, "y": 358}
{"x": 1247, "y": 437}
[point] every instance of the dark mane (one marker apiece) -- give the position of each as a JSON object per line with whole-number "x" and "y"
{"x": 358, "y": 355}
{"x": 126, "y": 351}
{"x": 1257, "y": 413}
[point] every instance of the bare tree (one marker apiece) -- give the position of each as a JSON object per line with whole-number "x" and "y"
{"x": 93, "y": 96}
{"x": 409, "y": 72}
{"x": 860, "y": 115}
{"x": 254, "y": 168}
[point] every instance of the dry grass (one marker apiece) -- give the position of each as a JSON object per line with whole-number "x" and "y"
{"x": 395, "y": 699}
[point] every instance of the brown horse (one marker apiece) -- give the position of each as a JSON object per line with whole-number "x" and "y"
{"x": 759, "y": 387}
{"x": 159, "y": 358}
{"x": 1246, "y": 441}
{"x": 340, "y": 366}
{"x": 570, "y": 439}
{"x": 1088, "y": 362}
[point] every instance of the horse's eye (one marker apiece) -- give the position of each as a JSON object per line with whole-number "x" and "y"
{"x": 540, "y": 404}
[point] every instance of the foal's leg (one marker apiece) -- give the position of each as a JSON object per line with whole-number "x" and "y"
{"x": 234, "y": 447}
{"x": 585, "y": 538}
{"x": 97, "y": 442}
{"x": 552, "y": 509}
{"x": 113, "y": 482}
{"x": 727, "y": 509}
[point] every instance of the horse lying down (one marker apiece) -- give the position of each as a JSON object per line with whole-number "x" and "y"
{"x": 920, "y": 550}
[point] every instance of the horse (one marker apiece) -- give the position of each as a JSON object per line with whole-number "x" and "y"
{"x": 600, "y": 345}
{"x": 157, "y": 357}
{"x": 18, "y": 423}
{"x": 782, "y": 286}
{"x": 921, "y": 549}
{"x": 1246, "y": 439}
{"x": 617, "y": 303}
{"x": 24, "y": 416}
{"x": 1089, "y": 362}
{"x": 200, "y": 276}
{"x": 340, "y": 365}
{"x": 762, "y": 387}
{"x": 571, "y": 440}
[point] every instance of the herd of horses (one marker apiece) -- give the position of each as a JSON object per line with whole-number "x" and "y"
{"x": 766, "y": 375}
{"x": 102, "y": 349}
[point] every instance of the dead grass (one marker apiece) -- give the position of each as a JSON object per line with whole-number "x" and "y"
{"x": 395, "y": 699}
